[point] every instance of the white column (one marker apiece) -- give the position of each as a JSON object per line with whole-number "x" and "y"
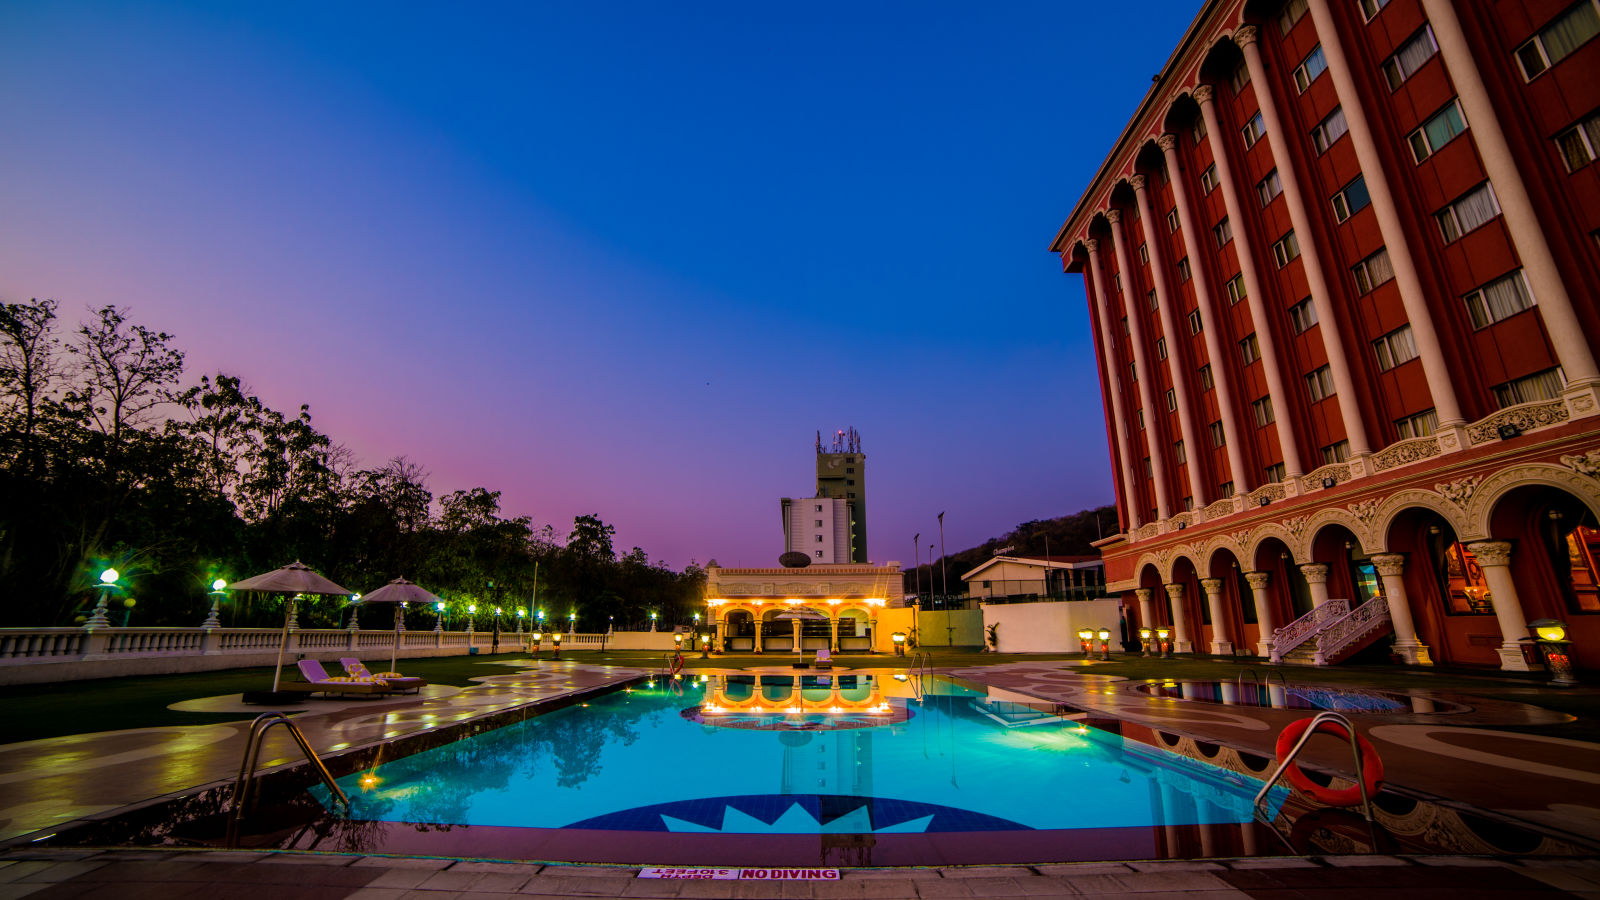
{"x": 1412, "y": 294}
{"x": 1181, "y": 642}
{"x": 1391, "y": 568}
{"x": 1264, "y": 624}
{"x": 1220, "y": 644}
{"x": 1527, "y": 233}
{"x": 1152, "y": 412}
{"x": 1177, "y": 344}
{"x": 1211, "y": 320}
{"x": 1147, "y": 612}
{"x": 1116, "y": 371}
{"x": 1316, "y": 575}
{"x": 1255, "y": 296}
{"x": 1495, "y": 558}
{"x": 1321, "y": 297}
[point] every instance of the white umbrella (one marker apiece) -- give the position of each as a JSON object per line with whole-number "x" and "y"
{"x": 294, "y": 579}
{"x": 399, "y": 592}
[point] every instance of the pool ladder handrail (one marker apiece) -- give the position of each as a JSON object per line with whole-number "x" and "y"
{"x": 1355, "y": 751}
{"x": 245, "y": 784}
{"x": 1266, "y": 681}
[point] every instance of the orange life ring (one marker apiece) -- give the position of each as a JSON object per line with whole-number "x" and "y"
{"x": 677, "y": 664}
{"x": 1371, "y": 765}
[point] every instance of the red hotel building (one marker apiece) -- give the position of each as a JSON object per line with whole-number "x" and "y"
{"x": 1342, "y": 269}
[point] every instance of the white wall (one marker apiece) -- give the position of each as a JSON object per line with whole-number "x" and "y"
{"x": 1050, "y": 627}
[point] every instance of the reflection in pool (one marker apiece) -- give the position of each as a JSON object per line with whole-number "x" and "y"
{"x": 1298, "y": 696}
{"x": 801, "y": 755}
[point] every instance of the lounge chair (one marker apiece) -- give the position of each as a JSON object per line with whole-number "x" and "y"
{"x": 317, "y": 680}
{"x": 824, "y": 659}
{"x": 354, "y": 668}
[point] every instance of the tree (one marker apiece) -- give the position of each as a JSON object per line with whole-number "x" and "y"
{"x": 29, "y": 369}
{"x": 126, "y": 371}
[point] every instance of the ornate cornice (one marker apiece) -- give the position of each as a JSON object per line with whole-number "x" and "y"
{"x": 1092, "y": 245}
{"x": 1137, "y": 182}
{"x": 1246, "y": 36}
{"x": 1167, "y": 142}
{"x": 1113, "y": 216}
{"x": 1492, "y": 553}
{"x": 1389, "y": 564}
{"x": 1203, "y": 94}
{"x": 1315, "y": 573}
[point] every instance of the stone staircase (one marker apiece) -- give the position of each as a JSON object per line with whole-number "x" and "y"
{"x": 1331, "y": 633}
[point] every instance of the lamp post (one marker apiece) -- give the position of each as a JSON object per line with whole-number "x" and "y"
{"x": 214, "y": 620}
{"x": 108, "y": 583}
{"x": 1084, "y": 638}
{"x": 705, "y": 646}
{"x": 438, "y": 617}
{"x": 899, "y": 638}
{"x": 1144, "y": 639}
{"x": 1164, "y": 635}
{"x": 572, "y": 622}
{"x": 1105, "y": 643}
{"x": 1550, "y": 635}
{"x": 652, "y": 620}
{"x": 555, "y": 644}
{"x": 538, "y": 640}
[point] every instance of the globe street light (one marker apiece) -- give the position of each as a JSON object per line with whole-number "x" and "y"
{"x": 108, "y": 583}
{"x": 214, "y": 620}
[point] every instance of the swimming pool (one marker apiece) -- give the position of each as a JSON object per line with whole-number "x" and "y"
{"x": 1298, "y": 696}
{"x": 793, "y": 755}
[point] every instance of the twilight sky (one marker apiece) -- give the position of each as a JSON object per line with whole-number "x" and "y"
{"x": 620, "y": 258}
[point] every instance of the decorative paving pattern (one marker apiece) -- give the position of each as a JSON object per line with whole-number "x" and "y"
{"x": 798, "y": 814}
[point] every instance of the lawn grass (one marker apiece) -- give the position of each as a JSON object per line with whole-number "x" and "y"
{"x": 78, "y": 707}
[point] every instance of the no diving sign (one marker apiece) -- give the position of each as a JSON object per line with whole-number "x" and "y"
{"x": 740, "y": 874}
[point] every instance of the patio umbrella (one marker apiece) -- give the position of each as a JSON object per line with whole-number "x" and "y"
{"x": 294, "y": 579}
{"x": 399, "y": 592}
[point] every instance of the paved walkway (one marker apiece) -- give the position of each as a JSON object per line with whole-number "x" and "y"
{"x": 47, "y": 782}
{"x": 135, "y": 875}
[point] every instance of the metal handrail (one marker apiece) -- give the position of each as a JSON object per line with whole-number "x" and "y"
{"x": 1355, "y": 752}
{"x": 245, "y": 784}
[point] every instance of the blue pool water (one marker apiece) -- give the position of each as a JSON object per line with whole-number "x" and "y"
{"x": 818, "y": 755}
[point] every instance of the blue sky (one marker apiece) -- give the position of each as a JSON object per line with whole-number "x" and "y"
{"x": 621, "y": 258}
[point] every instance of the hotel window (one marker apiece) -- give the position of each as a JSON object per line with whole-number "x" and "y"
{"x": 1172, "y": 401}
{"x": 1225, "y": 490}
{"x": 1236, "y": 291}
{"x": 1286, "y": 249}
{"x": 819, "y": 554}
{"x": 1253, "y": 130}
{"x": 1472, "y": 211}
{"x": 1249, "y": 350}
{"x": 1207, "y": 380}
{"x": 1118, "y": 279}
{"x": 819, "y": 538}
{"x": 1420, "y": 425}
{"x": 1546, "y": 385}
{"x": 1580, "y": 144}
{"x": 1124, "y": 326}
{"x": 1440, "y": 129}
{"x": 1172, "y": 221}
{"x": 1273, "y": 474}
{"x": 1312, "y": 66}
{"x": 1222, "y": 232}
{"x": 1319, "y": 384}
{"x": 1566, "y": 33}
{"x": 1188, "y": 504}
{"x": 1290, "y": 14}
{"x": 1329, "y": 130}
{"x": 1369, "y": 8}
{"x": 1335, "y": 453}
{"x": 1133, "y": 371}
{"x": 1148, "y": 471}
{"x": 1499, "y": 299}
{"x": 1240, "y": 77}
{"x": 1263, "y": 412}
{"x": 1372, "y": 271}
{"x": 1409, "y": 58}
{"x": 1208, "y": 179}
{"x": 1178, "y": 454}
{"x": 1395, "y": 348}
{"x": 1140, "y": 413}
{"x": 819, "y": 523}
{"x": 819, "y": 507}
{"x": 1198, "y": 129}
{"x": 1144, "y": 254}
{"x": 1219, "y": 437}
{"x": 1269, "y": 188}
{"x": 1150, "y": 300}
{"x": 1302, "y": 316}
{"x": 1195, "y": 326}
{"x": 1183, "y": 270}
{"x": 1351, "y": 200}
{"x": 1161, "y": 348}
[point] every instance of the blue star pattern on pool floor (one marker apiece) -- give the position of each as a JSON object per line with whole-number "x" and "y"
{"x": 798, "y": 814}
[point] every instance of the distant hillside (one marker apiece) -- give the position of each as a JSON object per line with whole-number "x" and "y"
{"x": 1068, "y": 536}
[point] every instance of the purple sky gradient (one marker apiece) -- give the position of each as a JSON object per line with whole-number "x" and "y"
{"x": 618, "y": 258}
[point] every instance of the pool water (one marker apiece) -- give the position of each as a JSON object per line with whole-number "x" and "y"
{"x": 802, "y": 755}
{"x": 1298, "y": 696}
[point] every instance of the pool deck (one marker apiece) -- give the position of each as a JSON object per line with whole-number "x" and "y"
{"x": 43, "y": 874}
{"x": 1533, "y": 778}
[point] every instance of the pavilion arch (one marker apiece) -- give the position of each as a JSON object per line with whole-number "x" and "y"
{"x": 1163, "y": 571}
{"x": 1273, "y": 531}
{"x": 1259, "y": 12}
{"x": 1395, "y": 506}
{"x": 1335, "y": 515}
{"x": 1181, "y": 112}
{"x": 1186, "y": 558}
{"x": 1489, "y": 493}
